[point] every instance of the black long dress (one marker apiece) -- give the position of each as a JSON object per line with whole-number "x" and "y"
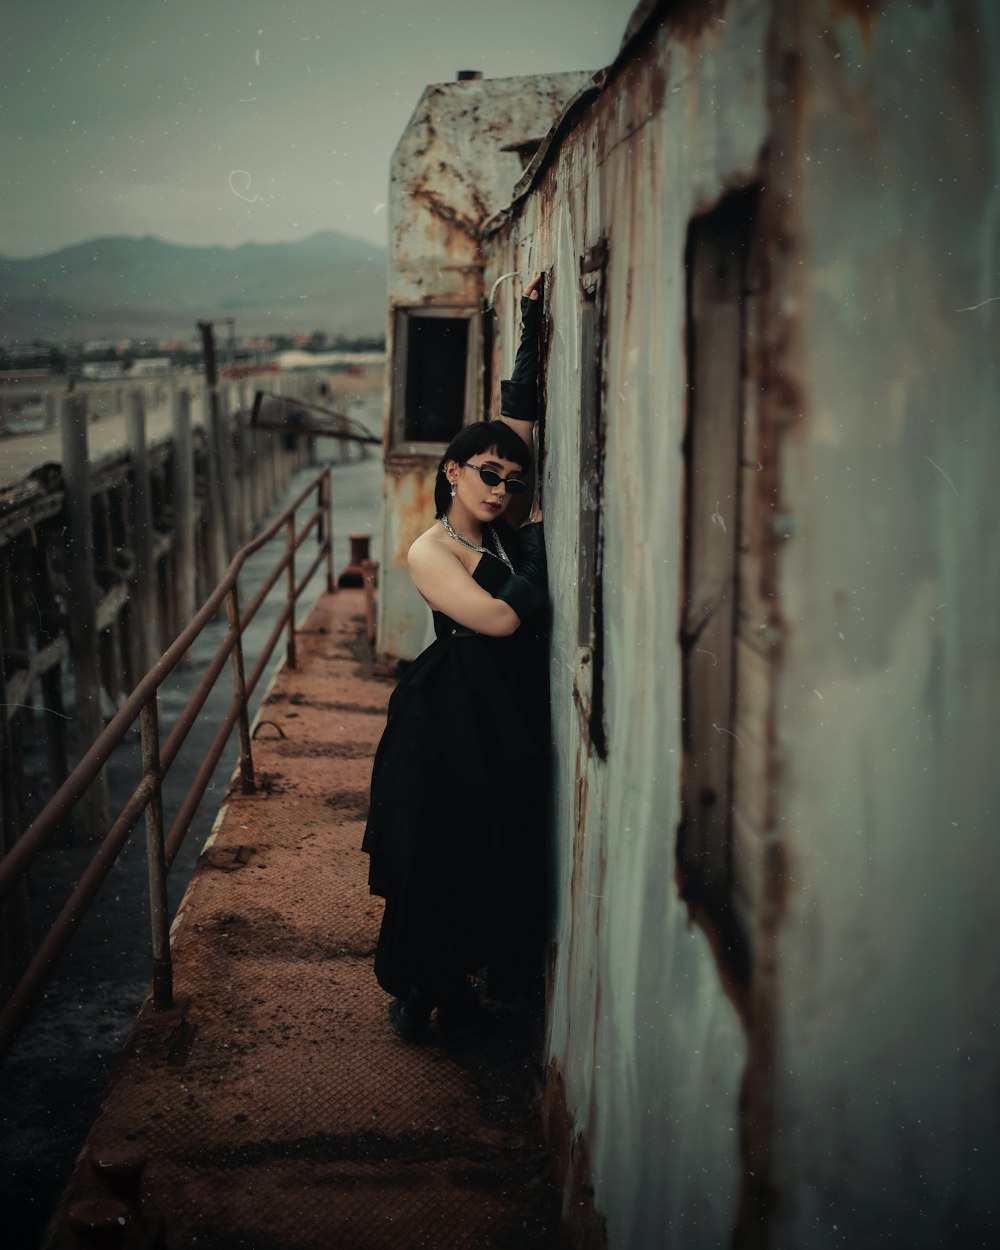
{"x": 458, "y": 806}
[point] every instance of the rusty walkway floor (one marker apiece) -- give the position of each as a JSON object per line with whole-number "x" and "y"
{"x": 275, "y": 1106}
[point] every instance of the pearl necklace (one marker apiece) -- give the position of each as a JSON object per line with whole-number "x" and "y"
{"x": 499, "y": 552}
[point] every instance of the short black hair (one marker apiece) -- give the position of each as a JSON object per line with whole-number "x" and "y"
{"x": 470, "y": 441}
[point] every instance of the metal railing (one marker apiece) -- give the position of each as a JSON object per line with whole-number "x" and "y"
{"x": 141, "y": 705}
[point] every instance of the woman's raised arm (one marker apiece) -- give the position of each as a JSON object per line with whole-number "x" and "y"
{"x": 519, "y": 392}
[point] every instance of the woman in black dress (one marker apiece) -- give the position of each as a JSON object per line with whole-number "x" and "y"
{"x": 455, "y": 830}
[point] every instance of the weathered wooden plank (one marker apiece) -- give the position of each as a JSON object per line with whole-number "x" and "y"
{"x": 82, "y": 616}
{"x": 144, "y": 573}
{"x": 185, "y": 518}
{"x": 712, "y": 526}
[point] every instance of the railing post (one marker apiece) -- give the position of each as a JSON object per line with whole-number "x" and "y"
{"x": 163, "y": 973}
{"x": 247, "y": 781}
{"x": 326, "y": 527}
{"x": 290, "y": 658}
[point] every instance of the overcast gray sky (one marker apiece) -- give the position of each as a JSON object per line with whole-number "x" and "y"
{"x": 221, "y": 121}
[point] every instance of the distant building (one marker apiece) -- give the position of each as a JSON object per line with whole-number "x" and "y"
{"x": 151, "y": 367}
{"x": 291, "y": 360}
{"x": 103, "y": 369}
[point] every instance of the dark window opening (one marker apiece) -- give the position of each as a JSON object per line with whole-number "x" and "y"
{"x": 437, "y": 350}
{"x": 544, "y": 350}
{"x": 590, "y": 607}
{"x": 720, "y": 423}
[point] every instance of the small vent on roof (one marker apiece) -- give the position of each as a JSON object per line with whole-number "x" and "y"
{"x": 525, "y": 148}
{"x": 468, "y": 75}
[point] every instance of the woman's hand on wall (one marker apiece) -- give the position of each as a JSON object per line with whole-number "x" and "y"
{"x": 526, "y": 367}
{"x": 533, "y": 289}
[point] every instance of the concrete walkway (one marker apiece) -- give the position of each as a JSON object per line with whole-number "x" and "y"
{"x": 274, "y": 1106}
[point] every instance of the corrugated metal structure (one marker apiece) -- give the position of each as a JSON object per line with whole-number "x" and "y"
{"x": 463, "y": 150}
{"x": 768, "y": 465}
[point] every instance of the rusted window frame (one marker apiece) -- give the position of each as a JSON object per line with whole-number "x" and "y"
{"x": 402, "y": 315}
{"x": 716, "y": 519}
{"x": 590, "y": 570}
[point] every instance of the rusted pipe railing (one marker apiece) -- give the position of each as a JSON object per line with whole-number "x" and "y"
{"x": 350, "y": 431}
{"x": 290, "y": 570}
{"x": 204, "y": 775}
{"x": 159, "y": 912}
{"x": 240, "y": 686}
{"x": 156, "y": 760}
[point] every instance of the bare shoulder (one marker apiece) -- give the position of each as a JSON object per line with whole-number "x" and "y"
{"x": 447, "y": 584}
{"x": 427, "y": 551}
{"x": 433, "y": 556}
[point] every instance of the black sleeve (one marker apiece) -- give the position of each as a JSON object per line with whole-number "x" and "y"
{"x": 519, "y": 393}
{"x": 526, "y": 591}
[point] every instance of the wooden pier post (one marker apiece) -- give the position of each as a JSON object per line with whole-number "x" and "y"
{"x": 244, "y": 462}
{"x": 95, "y": 817}
{"x": 144, "y": 575}
{"x": 220, "y": 549}
{"x": 271, "y": 480}
{"x": 227, "y": 472}
{"x": 278, "y": 440}
{"x": 258, "y": 465}
{"x": 14, "y": 908}
{"x": 185, "y": 558}
{"x": 217, "y": 550}
{"x": 290, "y": 391}
{"x": 47, "y": 633}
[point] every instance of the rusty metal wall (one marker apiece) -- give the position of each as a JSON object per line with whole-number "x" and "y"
{"x": 839, "y": 1095}
{"x": 887, "y": 713}
{"x": 450, "y": 170}
{"x": 858, "y": 1085}
{"x": 641, "y": 1035}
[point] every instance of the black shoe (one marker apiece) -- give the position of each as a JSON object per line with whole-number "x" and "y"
{"x": 464, "y": 1020}
{"x": 410, "y": 1017}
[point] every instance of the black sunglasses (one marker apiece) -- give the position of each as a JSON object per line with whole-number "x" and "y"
{"x": 513, "y": 485}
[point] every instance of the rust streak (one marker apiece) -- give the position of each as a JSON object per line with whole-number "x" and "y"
{"x": 688, "y": 19}
{"x": 583, "y": 1227}
{"x": 864, "y": 12}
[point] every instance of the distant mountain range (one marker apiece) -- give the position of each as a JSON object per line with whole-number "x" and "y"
{"x": 121, "y": 287}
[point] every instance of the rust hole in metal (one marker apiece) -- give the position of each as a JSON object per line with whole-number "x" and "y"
{"x": 718, "y": 571}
